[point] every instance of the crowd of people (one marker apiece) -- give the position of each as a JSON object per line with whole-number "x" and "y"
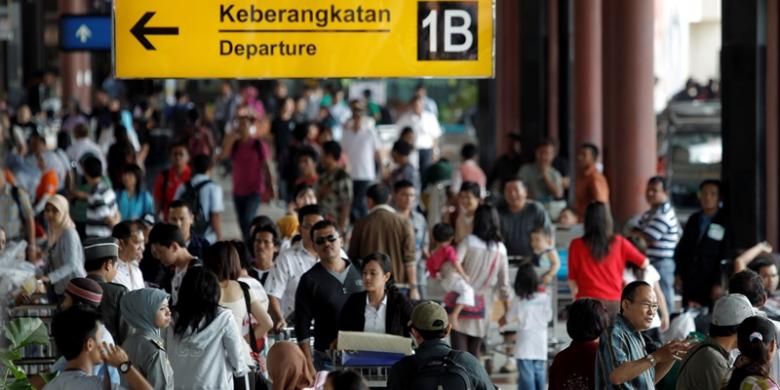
{"x": 124, "y": 223}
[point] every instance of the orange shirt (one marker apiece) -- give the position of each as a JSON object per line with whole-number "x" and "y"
{"x": 591, "y": 186}
{"x": 47, "y": 185}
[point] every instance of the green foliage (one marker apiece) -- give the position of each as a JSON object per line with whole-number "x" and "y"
{"x": 20, "y": 332}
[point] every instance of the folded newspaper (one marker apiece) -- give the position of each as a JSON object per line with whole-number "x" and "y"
{"x": 374, "y": 342}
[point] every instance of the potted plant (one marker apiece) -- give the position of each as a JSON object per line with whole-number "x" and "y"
{"x": 19, "y": 332}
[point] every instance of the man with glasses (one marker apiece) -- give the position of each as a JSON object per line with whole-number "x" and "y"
{"x": 290, "y": 265}
{"x": 622, "y": 361}
{"x": 321, "y": 294}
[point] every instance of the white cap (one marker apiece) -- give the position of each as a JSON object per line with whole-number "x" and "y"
{"x": 731, "y": 310}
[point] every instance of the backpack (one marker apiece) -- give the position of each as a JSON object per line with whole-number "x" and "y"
{"x": 441, "y": 373}
{"x": 191, "y": 195}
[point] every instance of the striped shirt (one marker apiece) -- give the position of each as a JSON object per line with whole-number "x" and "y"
{"x": 101, "y": 204}
{"x": 661, "y": 225}
{"x": 619, "y": 344}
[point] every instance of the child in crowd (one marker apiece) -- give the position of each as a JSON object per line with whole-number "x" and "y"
{"x": 545, "y": 259}
{"x": 146, "y": 310}
{"x": 531, "y": 310}
{"x": 443, "y": 264}
{"x": 572, "y": 368}
{"x": 86, "y": 294}
{"x": 567, "y": 218}
{"x": 78, "y": 333}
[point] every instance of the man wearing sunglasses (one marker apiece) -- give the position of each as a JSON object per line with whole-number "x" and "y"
{"x": 321, "y": 294}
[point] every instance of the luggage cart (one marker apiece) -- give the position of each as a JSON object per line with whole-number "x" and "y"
{"x": 373, "y": 366}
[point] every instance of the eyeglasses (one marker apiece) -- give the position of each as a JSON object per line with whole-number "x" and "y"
{"x": 322, "y": 240}
{"x": 649, "y": 306}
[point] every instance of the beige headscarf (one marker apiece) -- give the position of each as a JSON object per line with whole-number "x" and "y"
{"x": 63, "y": 222}
{"x": 287, "y": 367}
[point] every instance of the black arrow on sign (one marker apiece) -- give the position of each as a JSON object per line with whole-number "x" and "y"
{"x": 140, "y": 31}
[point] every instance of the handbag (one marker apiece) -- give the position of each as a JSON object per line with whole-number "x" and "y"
{"x": 254, "y": 379}
{"x": 476, "y": 312}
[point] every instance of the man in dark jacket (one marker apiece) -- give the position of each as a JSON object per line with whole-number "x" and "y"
{"x": 706, "y": 240}
{"x": 100, "y": 257}
{"x": 429, "y": 327}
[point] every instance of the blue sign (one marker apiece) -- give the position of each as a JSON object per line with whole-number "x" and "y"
{"x": 85, "y": 32}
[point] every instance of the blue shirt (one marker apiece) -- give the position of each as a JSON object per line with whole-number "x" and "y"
{"x": 619, "y": 344}
{"x": 135, "y": 207}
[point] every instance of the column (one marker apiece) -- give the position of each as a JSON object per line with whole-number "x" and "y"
{"x": 76, "y": 67}
{"x": 632, "y": 138}
{"x": 507, "y": 73}
{"x": 587, "y": 72}
{"x": 773, "y": 123}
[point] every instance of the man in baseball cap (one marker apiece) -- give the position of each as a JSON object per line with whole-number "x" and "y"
{"x": 707, "y": 364}
{"x": 429, "y": 326}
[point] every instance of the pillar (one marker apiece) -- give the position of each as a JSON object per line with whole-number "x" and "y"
{"x": 553, "y": 67}
{"x": 76, "y": 67}
{"x": 773, "y": 123}
{"x": 587, "y": 72}
{"x": 507, "y": 73}
{"x": 632, "y": 138}
{"x": 744, "y": 118}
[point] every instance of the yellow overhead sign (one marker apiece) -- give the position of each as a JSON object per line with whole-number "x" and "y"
{"x": 302, "y": 38}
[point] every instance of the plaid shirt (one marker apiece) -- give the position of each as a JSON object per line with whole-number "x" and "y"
{"x": 334, "y": 190}
{"x": 619, "y": 344}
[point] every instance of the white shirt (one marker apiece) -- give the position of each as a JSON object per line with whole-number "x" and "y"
{"x": 80, "y": 147}
{"x": 426, "y": 128}
{"x": 288, "y": 268}
{"x": 376, "y": 318}
{"x": 257, "y": 289}
{"x": 532, "y": 315}
{"x": 360, "y": 148}
{"x": 651, "y": 277}
{"x": 129, "y": 274}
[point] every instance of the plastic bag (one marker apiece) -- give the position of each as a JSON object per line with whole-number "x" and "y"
{"x": 680, "y": 327}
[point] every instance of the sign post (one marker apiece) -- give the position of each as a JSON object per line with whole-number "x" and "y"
{"x": 303, "y": 38}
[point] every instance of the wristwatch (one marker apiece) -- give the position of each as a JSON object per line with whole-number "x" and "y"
{"x": 125, "y": 367}
{"x": 651, "y": 358}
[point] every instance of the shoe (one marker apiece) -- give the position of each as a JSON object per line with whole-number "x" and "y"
{"x": 509, "y": 368}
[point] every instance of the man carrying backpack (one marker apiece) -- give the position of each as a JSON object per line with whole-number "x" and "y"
{"x": 435, "y": 364}
{"x": 205, "y": 199}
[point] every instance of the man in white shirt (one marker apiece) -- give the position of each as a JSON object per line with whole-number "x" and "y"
{"x": 290, "y": 265}
{"x": 131, "y": 250}
{"x": 426, "y": 130}
{"x": 83, "y": 146}
{"x": 361, "y": 144}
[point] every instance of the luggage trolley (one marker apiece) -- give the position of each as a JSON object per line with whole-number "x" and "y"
{"x": 370, "y": 354}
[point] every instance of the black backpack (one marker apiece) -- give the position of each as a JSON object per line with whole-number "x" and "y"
{"x": 191, "y": 196}
{"x": 441, "y": 373}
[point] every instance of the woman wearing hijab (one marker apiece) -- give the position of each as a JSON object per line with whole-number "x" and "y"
{"x": 289, "y": 370}
{"x": 146, "y": 310}
{"x": 65, "y": 254}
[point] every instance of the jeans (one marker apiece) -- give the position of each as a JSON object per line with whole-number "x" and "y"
{"x": 246, "y": 208}
{"x": 426, "y": 159}
{"x": 359, "y": 204}
{"x": 665, "y": 268}
{"x": 531, "y": 374}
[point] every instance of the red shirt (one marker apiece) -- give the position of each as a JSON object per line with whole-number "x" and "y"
{"x": 164, "y": 197}
{"x": 601, "y": 279}
{"x": 572, "y": 368}
{"x": 445, "y": 254}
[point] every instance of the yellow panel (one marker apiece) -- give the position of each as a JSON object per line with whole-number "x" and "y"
{"x": 302, "y": 38}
